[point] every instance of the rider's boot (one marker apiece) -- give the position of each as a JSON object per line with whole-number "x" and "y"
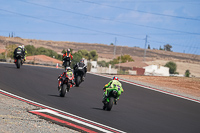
{"x": 73, "y": 83}
{"x": 115, "y": 102}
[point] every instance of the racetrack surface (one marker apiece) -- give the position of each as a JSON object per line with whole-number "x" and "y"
{"x": 139, "y": 110}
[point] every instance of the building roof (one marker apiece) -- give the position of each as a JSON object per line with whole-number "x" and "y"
{"x": 138, "y": 64}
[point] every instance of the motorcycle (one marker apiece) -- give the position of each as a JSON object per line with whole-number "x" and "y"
{"x": 19, "y": 59}
{"x": 66, "y": 62}
{"x": 65, "y": 83}
{"x": 109, "y": 101}
{"x": 79, "y": 76}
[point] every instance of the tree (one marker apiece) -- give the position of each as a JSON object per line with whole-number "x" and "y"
{"x": 125, "y": 58}
{"x": 172, "y": 67}
{"x": 63, "y": 51}
{"x": 161, "y": 48}
{"x": 103, "y": 63}
{"x": 149, "y": 47}
{"x": 30, "y": 50}
{"x": 93, "y": 55}
{"x": 76, "y": 58}
{"x": 111, "y": 44}
{"x": 84, "y": 53}
{"x": 167, "y": 47}
{"x": 187, "y": 73}
{"x": 10, "y": 50}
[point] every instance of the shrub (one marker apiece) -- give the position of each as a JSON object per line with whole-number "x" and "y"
{"x": 187, "y": 73}
{"x": 172, "y": 67}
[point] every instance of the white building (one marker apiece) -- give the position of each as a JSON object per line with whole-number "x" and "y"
{"x": 156, "y": 70}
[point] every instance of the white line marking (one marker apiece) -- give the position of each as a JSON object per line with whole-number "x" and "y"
{"x": 62, "y": 112}
{"x": 72, "y": 119}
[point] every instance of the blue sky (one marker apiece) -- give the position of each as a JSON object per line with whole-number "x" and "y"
{"x": 174, "y": 22}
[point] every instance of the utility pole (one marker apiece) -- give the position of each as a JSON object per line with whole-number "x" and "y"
{"x": 115, "y": 47}
{"x": 145, "y": 48}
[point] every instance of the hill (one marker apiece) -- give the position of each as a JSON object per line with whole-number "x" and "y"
{"x": 106, "y": 52}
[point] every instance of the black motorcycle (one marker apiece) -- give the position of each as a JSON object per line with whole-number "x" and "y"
{"x": 66, "y": 62}
{"x": 19, "y": 59}
{"x": 108, "y": 103}
{"x": 79, "y": 75}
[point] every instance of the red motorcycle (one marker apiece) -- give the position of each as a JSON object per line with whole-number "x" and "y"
{"x": 65, "y": 82}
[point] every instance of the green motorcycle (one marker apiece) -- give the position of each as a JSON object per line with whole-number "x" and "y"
{"x": 110, "y": 100}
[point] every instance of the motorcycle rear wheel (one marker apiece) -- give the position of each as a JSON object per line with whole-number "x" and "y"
{"x": 110, "y": 104}
{"x": 18, "y": 63}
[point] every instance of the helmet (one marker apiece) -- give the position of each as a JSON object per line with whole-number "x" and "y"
{"x": 68, "y": 50}
{"x": 115, "y": 78}
{"x": 19, "y": 46}
{"x": 82, "y": 60}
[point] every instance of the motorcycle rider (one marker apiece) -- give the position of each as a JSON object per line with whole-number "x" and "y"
{"x": 63, "y": 75}
{"x": 20, "y": 50}
{"x": 82, "y": 65}
{"x": 24, "y": 52}
{"x": 113, "y": 85}
{"x": 68, "y": 56}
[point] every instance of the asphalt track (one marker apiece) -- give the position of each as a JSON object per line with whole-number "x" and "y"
{"x": 139, "y": 110}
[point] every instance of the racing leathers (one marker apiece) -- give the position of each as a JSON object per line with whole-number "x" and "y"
{"x": 67, "y": 57}
{"x": 80, "y": 66}
{"x": 20, "y": 51}
{"x": 63, "y": 77}
{"x": 113, "y": 85}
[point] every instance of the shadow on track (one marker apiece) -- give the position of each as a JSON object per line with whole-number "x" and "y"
{"x": 14, "y": 67}
{"x": 53, "y": 95}
{"x": 97, "y": 108}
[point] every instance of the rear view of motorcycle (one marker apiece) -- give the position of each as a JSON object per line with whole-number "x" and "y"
{"x": 65, "y": 83}
{"x": 66, "y": 62}
{"x": 79, "y": 76}
{"x": 19, "y": 59}
{"x": 109, "y": 101}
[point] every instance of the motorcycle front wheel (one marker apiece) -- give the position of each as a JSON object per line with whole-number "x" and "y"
{"x": 78, "y": 81}
{"x": 63, "y": 90}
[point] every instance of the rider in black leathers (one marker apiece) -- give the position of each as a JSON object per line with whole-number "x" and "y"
{"x": 20, "y": 50}
{"x": 81, "y": 67}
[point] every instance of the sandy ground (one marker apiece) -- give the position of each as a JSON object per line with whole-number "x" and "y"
{"x": 194, "y": 68}
{"x": 179, "y": 85}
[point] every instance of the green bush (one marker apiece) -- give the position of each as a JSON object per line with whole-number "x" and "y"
{"x": 187, "y": 73}
{"x": 172, "y": 67}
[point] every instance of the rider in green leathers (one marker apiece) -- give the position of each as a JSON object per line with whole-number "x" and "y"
{"x": 113, "y": 85}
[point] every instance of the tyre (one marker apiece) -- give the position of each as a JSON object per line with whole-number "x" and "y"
{"x": 63, "y": 90}
{"x": 18, "y": 63}
{"x": 104, "y": 107}
{"x": 110, "y": 104}
{"x": 78, "y": 81}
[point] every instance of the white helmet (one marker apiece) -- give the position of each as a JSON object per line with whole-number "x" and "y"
{"x": 19, "y": 46}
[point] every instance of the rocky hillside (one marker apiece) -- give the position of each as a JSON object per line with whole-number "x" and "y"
{"x": 104, "y": 51}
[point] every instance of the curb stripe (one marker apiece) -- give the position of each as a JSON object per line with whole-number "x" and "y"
{"x": 62, "y": 121}
{"x": 62, "y": 112}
